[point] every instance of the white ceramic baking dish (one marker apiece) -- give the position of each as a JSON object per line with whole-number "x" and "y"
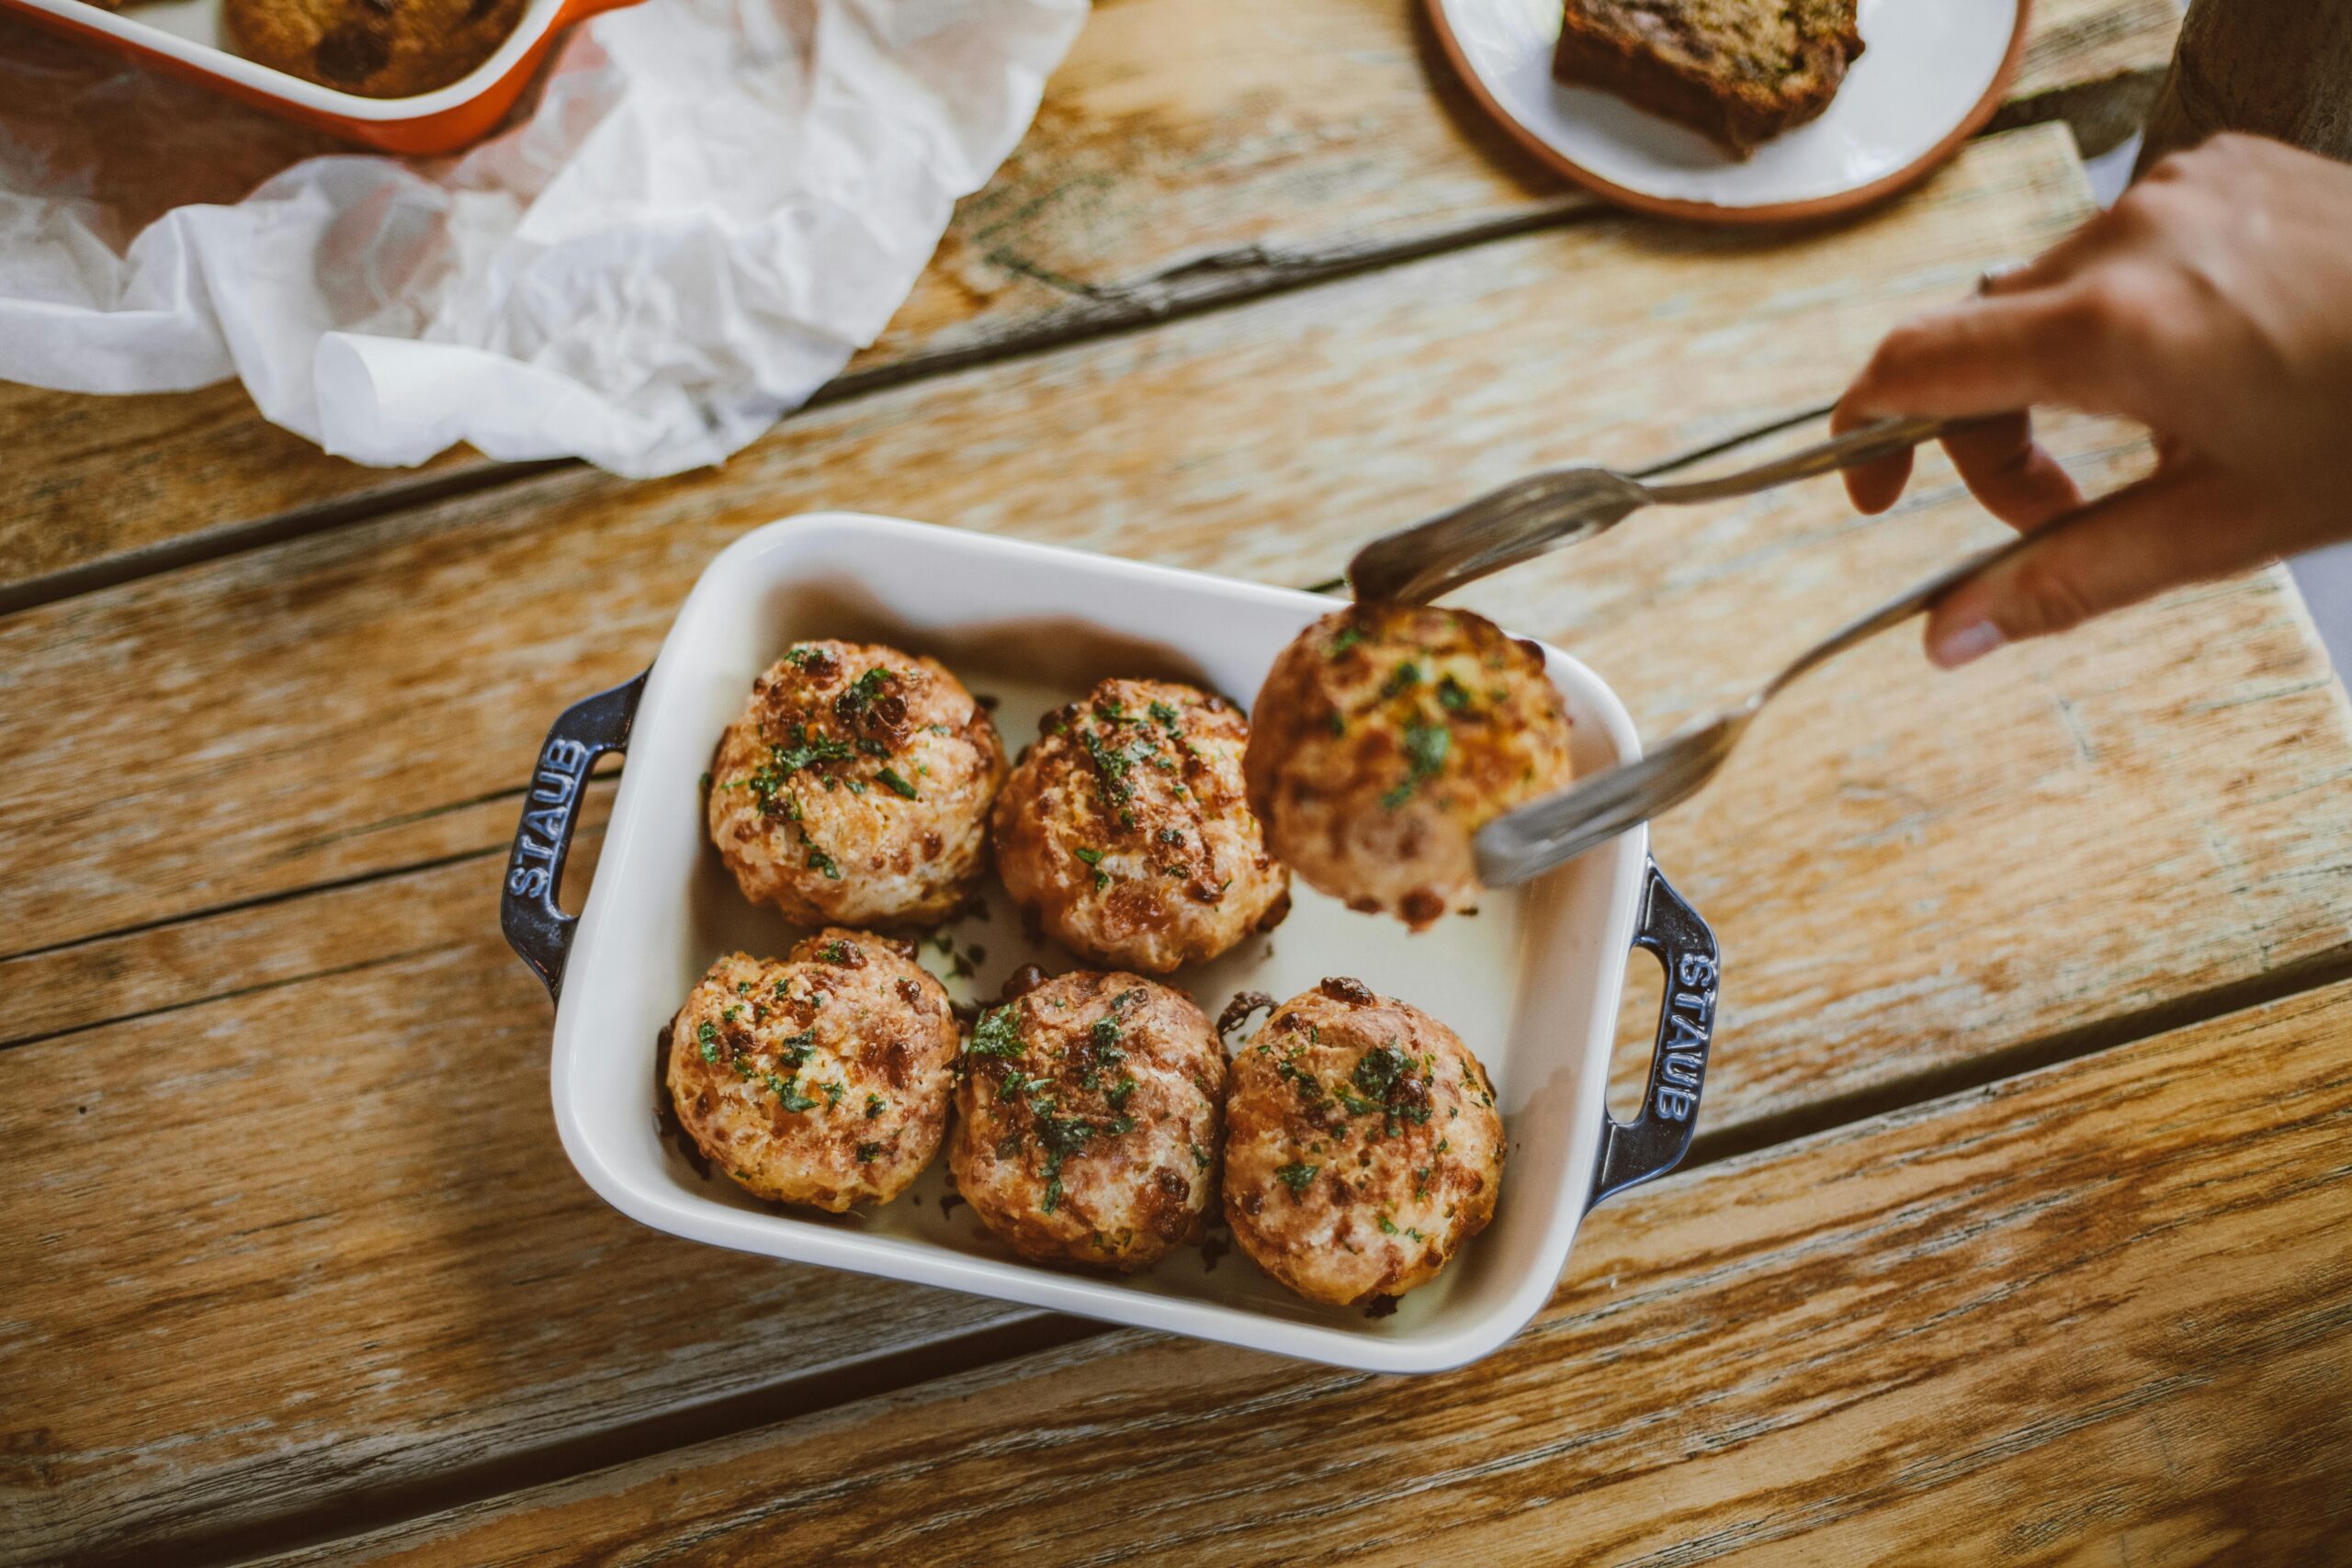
{"x": 1531, "y": 983}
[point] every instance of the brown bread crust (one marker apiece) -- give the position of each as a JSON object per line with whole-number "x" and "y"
{"x": 1738, "y": 72}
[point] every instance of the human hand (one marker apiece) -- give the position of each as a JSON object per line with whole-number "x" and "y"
{"x": 2214, "y": 304}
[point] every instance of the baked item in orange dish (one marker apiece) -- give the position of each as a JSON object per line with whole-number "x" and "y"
{"x": 1386, "y": 737}
{"x": 1089, "y": 1121}
{"x": 1127, "y": 835}
{"x": 1362, "y": 1146}
{"x": 822, "y": 1079}
{"x": 379, "y": 49}
{"x": 1738, "y": 72}
{"x": 854, "y": 788}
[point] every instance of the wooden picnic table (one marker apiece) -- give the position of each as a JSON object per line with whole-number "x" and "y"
{"x": 2019, "y": 1226}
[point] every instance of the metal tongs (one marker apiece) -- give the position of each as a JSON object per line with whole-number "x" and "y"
{"x": 1565, "y": 507}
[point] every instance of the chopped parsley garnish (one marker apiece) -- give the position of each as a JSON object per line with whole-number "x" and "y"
{"x": 1426, "y": 748}
{"x": 1427, "y": 745}
{"x": 1063, "y": 1137}
{"x": 794, "y": 1048}
{"x": 1387, "y": 1225}
{"x": 1403, "y": 678}
{"x": 1451, "y": 695}
{"x": 998, "y": 1033}
{"x": 868, "y": 1153}
{"x": 1164, "y": 713}
{"x": 1200, "y": 1157}
{"x": 806, "y": 751}
{"x": 708, "y": 1036}
{"x": 820, "y": 861}
{"x": 788, "y": 1091}
{"x": 1112, "y": 764}
{"x": 1382, "y": 1074}
{"x": 1103, "y": 1051}
{"x": 1095, "y": 858}
{"x": 1310, "y": 1091}
{"x": 1119, "y": 1092}
{"x": 1295, "y": 1177}
{"x": 1349, "y": 637}
{"x": 833, "y": 1093}
{"x": 1379, "y": 1069}
{"x": 898, "y": 785}
{"x": 835, "y": 953}
{"x": 801, "y": 658}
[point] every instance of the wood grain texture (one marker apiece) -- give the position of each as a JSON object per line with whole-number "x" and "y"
{"x": 1896, "y": 897}
{"x": 1190, "y": 151}
{"x": 2099, "y": 1314}
{"x": 1264, "y": 441}
{"x": 223, "y": 954}
{"x": 314, "y": 1241}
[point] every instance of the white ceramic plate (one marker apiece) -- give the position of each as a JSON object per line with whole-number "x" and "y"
{"x": 1931, "y": 72}
{"x": 1531, "y": 983}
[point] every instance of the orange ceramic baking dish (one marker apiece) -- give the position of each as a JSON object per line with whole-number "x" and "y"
{"x": 189, "y": 39}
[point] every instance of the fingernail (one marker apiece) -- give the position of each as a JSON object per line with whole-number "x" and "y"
{"x": 1964, "y": 644}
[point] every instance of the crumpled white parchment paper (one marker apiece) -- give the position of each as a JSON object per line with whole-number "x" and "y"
{"x": 707, "y": 207}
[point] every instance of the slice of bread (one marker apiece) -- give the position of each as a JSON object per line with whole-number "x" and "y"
{"x": 1740, "y": 72}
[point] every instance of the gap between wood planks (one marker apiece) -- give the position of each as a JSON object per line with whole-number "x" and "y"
{"x": 807, "y": 1393}
{"x": 1191, "y": 287}
{"x": 1187, "y": 287}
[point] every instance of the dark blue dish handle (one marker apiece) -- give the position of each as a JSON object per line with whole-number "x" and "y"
{"x": 536, "y": 926}
{"x": 1655, "y": 1142}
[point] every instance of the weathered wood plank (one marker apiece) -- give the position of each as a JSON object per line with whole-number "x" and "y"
{"x": 2102, "y": 1313}
{"x": 314, "y": 1243}
{"x": 2185, "y": 764}
{"x": 1189, "y": 151}
{"x": 1263, "y": 441}
{"x": 279, "y": 942}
